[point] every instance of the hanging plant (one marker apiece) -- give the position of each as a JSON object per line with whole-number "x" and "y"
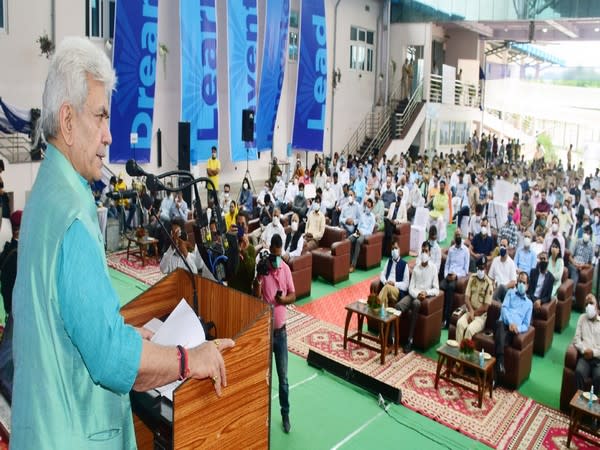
{"x": 46, "y": 45}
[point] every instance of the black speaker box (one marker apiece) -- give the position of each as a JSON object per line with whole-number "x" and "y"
{"x": 247, "y": 125}
{"x": 183, "y": 161}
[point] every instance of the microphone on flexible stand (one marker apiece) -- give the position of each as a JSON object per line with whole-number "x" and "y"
{"x": 147, "y": 203}
{"x": 134, "y": 170}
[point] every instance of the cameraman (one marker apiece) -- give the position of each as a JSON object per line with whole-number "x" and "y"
{"x": 274, "y": 285}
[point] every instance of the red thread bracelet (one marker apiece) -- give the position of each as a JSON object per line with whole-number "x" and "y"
{"x": 184, "y": 368}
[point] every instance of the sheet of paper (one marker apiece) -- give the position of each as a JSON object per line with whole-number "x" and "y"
{"x": 153, "y": 325}
{"x": 182, "y": 327}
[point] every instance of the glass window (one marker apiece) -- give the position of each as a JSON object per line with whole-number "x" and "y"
{"x": 293, "y": 46}
{"x": 369, "y": 60}
{"x": 93, "y": 23}
{"x": 353, "y": 56}
{"x": 370, "y": 37}
{"x": 111, "y": 19}
{"x": 353, "y": 33}
{"x": 294, "y": 19}
{"x": 362, "y": 35}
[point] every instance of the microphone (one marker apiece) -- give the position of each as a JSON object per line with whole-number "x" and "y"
{"x": 154, "y": 184}
{"x": 147, "y": 203}
{"x": 134, "y": 170}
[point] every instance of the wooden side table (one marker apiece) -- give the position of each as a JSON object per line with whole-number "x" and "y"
{"x": 384, "y": 322}
{"x": 580, "y": 409}
{"x": 142, "y": 244}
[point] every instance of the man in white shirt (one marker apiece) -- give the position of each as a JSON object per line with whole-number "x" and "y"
{"x": 344, "y": 175}
{"x": 274, "y": 227}
{"x": 179, "y": 208}
{"x": 554, "y": 233}
{"x": 388, "y": 195}
{"x": 337, "y": 188}
{"x": 225, "y": 198}
{"x": 423, "y": 284}
{"x": 394, "y": 278}
{"x": 315, "y": 226}
{"x": 279, "y": 191}
{"x": 587, "y": 343}
{"x": 503, "y": 271}
{"x": 260, "y": 199}
{"x": 350, "y": 214}
{"x": 415, "y": 199}
{"x": 165, "y": 207}
{"x": 320, "y": 178}
{"x": 328, "y": 201}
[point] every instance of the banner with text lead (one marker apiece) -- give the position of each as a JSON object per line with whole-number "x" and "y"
{"x": 311, "y": 90}
{"x": 199, "y": 105}
{"x": 242, "y": 38}
{"x": 134, "y": 61}
{"x": 272, "y": 71}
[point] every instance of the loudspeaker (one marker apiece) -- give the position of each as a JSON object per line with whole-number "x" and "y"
{"x": 247, "y": 125}
{"x": 183, "y": 161}
{"x": 359, "y": 379}
{"x": 159, "y": 148}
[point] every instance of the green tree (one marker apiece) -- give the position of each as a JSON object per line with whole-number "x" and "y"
{"x": 545, "y": 141}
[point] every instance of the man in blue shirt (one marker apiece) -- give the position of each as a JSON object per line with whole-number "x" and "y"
{"x": 457, "y": 266}
{"x": 515, "y": 319}
{"x": 525, "y": 259}
{"x": 366, "y": 224}
{"x": 360, "y": 186}
{"x": 350, "y": 214}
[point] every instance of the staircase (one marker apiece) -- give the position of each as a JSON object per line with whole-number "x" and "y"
{"x": 16, "y": 148}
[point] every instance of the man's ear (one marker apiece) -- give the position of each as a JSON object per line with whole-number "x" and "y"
{"x": 65, "y": 120}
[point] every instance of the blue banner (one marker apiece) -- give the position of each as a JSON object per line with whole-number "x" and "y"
{"x": 311, "y": 90}
{"x": 134, "y": 60}
{"x": 199, "y": 106}
{"x": 242, "y": 37}
{"x": 272, "y": 71}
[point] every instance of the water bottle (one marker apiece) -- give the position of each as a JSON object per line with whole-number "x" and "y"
{"x": 591, "y": 399}
{"x": 481, "y": 358}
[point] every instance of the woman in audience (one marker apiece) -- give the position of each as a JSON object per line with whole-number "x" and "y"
{"x": 556, "y": 265}
{"x": 231, "y": 215}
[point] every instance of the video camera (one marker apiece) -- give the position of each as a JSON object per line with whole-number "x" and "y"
{"x": 262, "y": 266}
{"x": 122, "y": 195}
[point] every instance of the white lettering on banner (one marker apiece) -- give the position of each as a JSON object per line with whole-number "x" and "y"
{"x": 146, "y": 73}
{"x": 320, "y": 86}
{"x": 251, "y": 39}
{"x": 208, "y": 26}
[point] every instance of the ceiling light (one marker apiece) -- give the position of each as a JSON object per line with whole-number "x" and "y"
{"x": 545, "y": 30}
{"x": 596, "y": 29}
{"x": 506, "y": 29}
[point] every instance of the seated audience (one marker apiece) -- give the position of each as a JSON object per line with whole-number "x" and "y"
{"x": 582, "y": 255}
{"x": 365, "y": 227}
{"x": 294, "y": 240}
{"x": 457, "y": 266}
{"x": 394, "y": 278}
{"x": 526, "y": 258}
{"x": 350, "y": 214}
{"x": 315, "y": 226}
{"x": 275, "y": 227}
{"x": 482, "y": 244}
{"x": 540, "y": 283}
{"x": 503, "y": 272}
{"x": 587, "y": 343}
{"x": 243, "y": 275}
{"x": 509, "y": 231}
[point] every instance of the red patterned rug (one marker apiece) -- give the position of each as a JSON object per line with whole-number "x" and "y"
{"x": 331, "y": 307}
{"x": 507, "y": 421}
{"x": 148, "y": 274}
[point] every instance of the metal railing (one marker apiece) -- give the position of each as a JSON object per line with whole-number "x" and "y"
{"x": 366, "y": 129}
{"x": 16, "y": 148}
{"x": 404, "y": 118}
{"x": 465, "y": 94}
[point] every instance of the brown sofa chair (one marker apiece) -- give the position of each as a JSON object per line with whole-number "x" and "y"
{"x": 401, "y": 235}
{"x": 564, "y": 295}
{"x": 370, "y": 251}
{"x": 584, "y": 287}
{"x": 301, "y": 268}
{"x": 517, "y": 357}
{"x": 331, "y": 259}
{"x": 568, "y": 388}
{"x": 544, "y": 323}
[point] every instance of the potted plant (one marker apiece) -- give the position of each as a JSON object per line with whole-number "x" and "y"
{"x": 374, "y": 303}
{"x": 46, "y": 45}
{"x": 467, "y": 347}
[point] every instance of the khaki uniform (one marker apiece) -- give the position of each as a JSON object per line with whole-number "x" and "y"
{"x": 478, "y": 292}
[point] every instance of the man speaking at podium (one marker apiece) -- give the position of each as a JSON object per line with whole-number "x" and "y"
{"x": 75, "y": 359}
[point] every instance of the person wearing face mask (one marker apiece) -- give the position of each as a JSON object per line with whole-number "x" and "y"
{"x": 509, "y": 230}
{"x": 396, "y": 215}
{"x": 478, "y": 298}
{"x": 540, "y": 284}
{"x": 243, "y": 275}
{"x": 366, "y": 226}
{"x": 350, "y": 214}
{"x": 482, "y": 244}
{"x": 277, "y": 289}
{"x": 394, "y": 278}
{"x": 294, "y": 241}
{"x": 245, "y": 200}
{"x": 278, "y": 192}
{"x": 555, "y": 265}
{"x": 273, "y": 228}
{"x": 587, "y": 343}
{"x": 503, "y": 271}
{"x": 388, "y": 196}
{"x": 225, "y": 198}
{"x": 232, "y": 212}
{"x": 526, "y": 209}
{"x": 435, "y": 252}
{"x": 582, "y": 255}
{"x": 213, "y": 169}
{"x": 525, "y": 259}
{"x": 423, "y": 284}
{"x": 565, "y": 218}
{"x": 266, "y": 190}
{"x": 360, "y": 186}
{"x": 329, "y": 199}
{"x": 554, "y": 233}
{"x": 457, "y": 266}
{"x": 300, "y": 205}
{"x": 315, "y": 226}
{"x": 515, "y": 318}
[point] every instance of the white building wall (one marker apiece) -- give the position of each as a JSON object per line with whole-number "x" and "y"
{"x": 21, "y": 81}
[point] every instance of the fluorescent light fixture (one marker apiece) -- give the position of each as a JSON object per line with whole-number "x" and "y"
{"x": 545, "y": 30}
{"x": 562, "y": 28}
{"x": 597, "y": 29}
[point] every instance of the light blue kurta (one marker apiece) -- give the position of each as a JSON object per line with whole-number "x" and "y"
{"x": 75, "y": 359}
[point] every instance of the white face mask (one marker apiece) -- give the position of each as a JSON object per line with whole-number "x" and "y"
{"x": 275, "y": 220}
{"x": 395, "y": 254}
{"x": 480, "y": 274}
{"x": 350, "y": 200}
{"x": 294, "y": 226}
{"x": 586, "y": 237}
{"x": 527, "y": 242}
{"x": 590, "y": 311}
{"x": 484, "y": 231}
{"x": 425, "y": 258}
{"x": 555, "y": 228}
{"x": 327, "y": 185}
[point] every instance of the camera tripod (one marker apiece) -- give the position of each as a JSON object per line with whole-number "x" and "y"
{"x": 247, "y": 175}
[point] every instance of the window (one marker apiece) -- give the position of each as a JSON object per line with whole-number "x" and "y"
{"x": 3, "y": 21}
{"x": 100, "y": 18}
{"x": 293, "y": 37}
{"x": 362, "y": 49}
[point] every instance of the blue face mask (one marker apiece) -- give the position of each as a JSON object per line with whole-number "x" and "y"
{"x": 277, "y": 262}
{"x": 521, "y": 288}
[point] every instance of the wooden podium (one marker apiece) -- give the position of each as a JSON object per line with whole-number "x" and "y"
{"x": 197, "y": 418}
